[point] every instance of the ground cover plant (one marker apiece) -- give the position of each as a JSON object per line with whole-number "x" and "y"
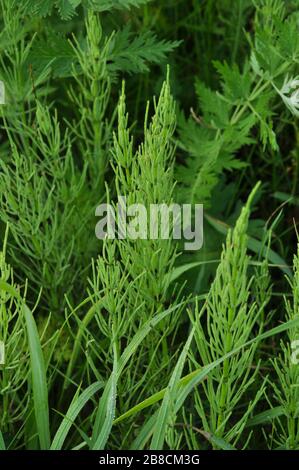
{"x": 125, "y": 343}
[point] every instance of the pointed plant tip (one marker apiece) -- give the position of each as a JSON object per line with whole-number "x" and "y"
{"x": 167, "y": 73}
{"x": 6, "y": 237}
{"x": 253, "y": 193}
{"x": 297, "y": 235}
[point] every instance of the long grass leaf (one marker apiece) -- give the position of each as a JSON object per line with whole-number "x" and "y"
{"x": 167, "y": 406}
{"x": 106, "y": 410}
{"x": 39, "y": 381}
{"x": 2, "y": 443}
{"x": 189, "y": 381}
{"x": 74, "y": 409}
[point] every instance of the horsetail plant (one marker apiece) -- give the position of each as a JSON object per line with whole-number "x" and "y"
{"x": 131, "y": 282}
{"x": 286, "y": 391}
{"x": 228, "y": 319}
{"x": 91, "y": 98}
{"x": 15, "y": 367}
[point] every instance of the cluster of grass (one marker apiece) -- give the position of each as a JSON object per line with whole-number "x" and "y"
{"x": 134, "y": 344}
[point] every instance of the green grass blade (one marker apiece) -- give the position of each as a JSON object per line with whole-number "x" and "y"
{"x": 38, "y": 371}
{"x": 265, "y": 417}
{"x": 218, "y": 441}
{"x": 253, "y": 244}
{"x": 78, "y": 339}
{"x": 142, "y": 333}
{"x": 179, "y": 270}
{"x": 189, "y": 381}
{"x": 2, "y": 443}
{"x": 39, "y": 381}
{"x": 145, "y": 433}
{"x": 74, "y": 409}
{"x": 106, "y": 410}
{"x": 125, "y": 357}
{"x": 166, "y": 408}
{"x": 155, "y": 398}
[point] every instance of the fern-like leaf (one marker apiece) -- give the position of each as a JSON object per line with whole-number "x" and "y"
{"x": 134, "y": 54}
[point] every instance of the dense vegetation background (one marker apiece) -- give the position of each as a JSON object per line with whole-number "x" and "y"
{"x": 137, "y": 344}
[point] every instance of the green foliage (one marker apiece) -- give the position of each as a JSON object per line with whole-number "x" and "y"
{"x": 134, "y": 55}
{"x": 71, "y": 158}
{"x": 68, "y": 8}
{"x": 228, "y": 117}
{"x": 286, "y": 391}
{"x": 13, "y": 377}
{"x": 125, "y": 53}
{"x": 129, "y": 343}
{"x": 230, "y": 320}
